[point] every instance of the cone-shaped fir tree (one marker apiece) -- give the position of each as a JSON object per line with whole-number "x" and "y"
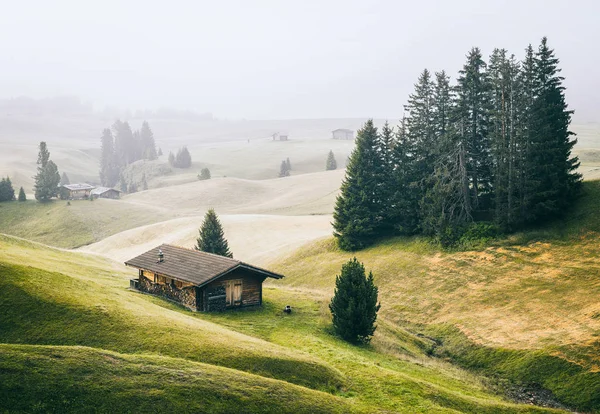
{"x": 22, "y": 196}
{"x": 331, "y": 163}
{"x": 354, "y": 305}
{"x": 211, "y": 238}
{"x": 357, "y": 213}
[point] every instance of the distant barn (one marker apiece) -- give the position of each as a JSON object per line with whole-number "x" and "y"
{"x": 342, "y": 134}
{"x": 278, "y": 136}
{"x": 75, "y": 191}
{"x": 198, "y": 280}
{"x": 105, "y": 192}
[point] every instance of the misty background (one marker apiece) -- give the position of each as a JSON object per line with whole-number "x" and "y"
{"x": 277, "y": 59}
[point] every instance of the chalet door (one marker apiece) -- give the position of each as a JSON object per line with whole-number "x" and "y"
{"x": 233, "y": 290}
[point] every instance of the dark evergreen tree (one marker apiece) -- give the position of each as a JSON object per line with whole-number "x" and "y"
{"x": 22, "y": 196}
{"x": 171, "y": 159}
{"x": 126, "y": 147}
{"x": 183, "y": 159}
{"x": 47, "y": 178}
{"x": 204, "y": 174}
{"x": 64, "y": 179}
{"x": 211, "y": 238}
{"x": 472, "y": 117}
{"x": 552, "y": 171}
{"x": 354, "y": 305}
{"x": 357, "y": 215}
{"x": 331, "y": 163}
{"x": 289, "y": 164}
{"x": 284, "y": 171}
{"x": 384, "y": 171}
{"x": 159, "y": 152}
{"x": 7, "y": 192}
{"x": 405, "y": 184}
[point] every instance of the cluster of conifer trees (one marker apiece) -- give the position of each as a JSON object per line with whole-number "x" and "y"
{"x": 120, "y": 147}
{"x": 495, "y": 147}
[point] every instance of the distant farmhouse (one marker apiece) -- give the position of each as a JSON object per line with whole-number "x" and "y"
{"x": 342, "y": 134}
{"x": 75, "y": 191}
{"x": 105, "y": 192}
{"x": 278, "y": 136}
{"x": 198, "y": 280}
{"x": 83, "y": 191}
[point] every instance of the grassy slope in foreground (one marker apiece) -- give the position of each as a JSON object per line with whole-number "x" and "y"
{"x": 528, "y": 307}
{"x": 47, "y": 316}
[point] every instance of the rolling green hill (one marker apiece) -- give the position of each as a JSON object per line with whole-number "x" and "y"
{"x": 525, "y": 308}
{"x": 74, "y": 339}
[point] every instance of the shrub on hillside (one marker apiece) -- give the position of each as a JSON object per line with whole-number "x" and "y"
{"x": 204, "y": 174}
{"x": 354, "y": 305}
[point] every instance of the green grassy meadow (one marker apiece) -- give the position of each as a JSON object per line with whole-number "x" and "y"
{"x": 522, "y": 308}
{"x": 74, "y": 338}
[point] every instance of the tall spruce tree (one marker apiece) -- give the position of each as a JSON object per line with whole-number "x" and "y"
{"x": 385, "y": 169}
{"x": 354, "y": 305}
{"x": 331, "y": 163}
{"x": 358, "y": 209}
{"x": 284, "y": 170}
{"x": 472, "y": 116}
{"x": 553, "y": 179}
{"x": 47, "y": 178}
{"x": 147, "y": 142}
{"x": 22, "y": 197}
{"x": 405, "y": 182}
{"x": 64, "y": 179}
{"x": 212, "y": 238}
{"x": 109, "y": 164}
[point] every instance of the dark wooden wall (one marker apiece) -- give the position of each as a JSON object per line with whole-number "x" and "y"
{"x": 251, "y": 286}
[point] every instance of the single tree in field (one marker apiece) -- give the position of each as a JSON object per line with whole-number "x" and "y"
{"x": 358, "y": 211}
{"x": 289, "y": 164}
{"x": 47, "y": 177}
{"x": 284, "y": 171}
{"x": 64, "y": 179}
{"x": 7, "y": 193}
{"x": 204, "y": 174}
{"x": 22, "y": 196}
{"x": 331, "y": 163}
{"x": 354, "y": 304}
{"x": 211, "y": 238}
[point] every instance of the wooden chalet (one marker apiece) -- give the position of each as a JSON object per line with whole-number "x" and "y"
{"x": 105, "y": 192}
{"x": 75, "y": 191}
{"x": 198, "y": 280}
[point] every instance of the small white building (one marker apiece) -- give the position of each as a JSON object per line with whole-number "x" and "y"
{"x": 280, "y": 136}
{"x": 342, "y": 134}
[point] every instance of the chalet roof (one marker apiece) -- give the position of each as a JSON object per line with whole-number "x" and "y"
{"x": 342, "y": 130}
{"x": 75, "y": 187}
{"x": 102, "y": 190}
{"x": 191, "y": 265}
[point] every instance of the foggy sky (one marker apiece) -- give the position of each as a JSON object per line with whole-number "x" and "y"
{"x": 276, "y": 58}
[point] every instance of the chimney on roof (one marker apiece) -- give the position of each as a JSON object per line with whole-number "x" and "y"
{"x": 161, "y": 256}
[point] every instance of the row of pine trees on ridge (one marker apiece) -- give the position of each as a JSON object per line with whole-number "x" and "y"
{"x": 491, "y": 152}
